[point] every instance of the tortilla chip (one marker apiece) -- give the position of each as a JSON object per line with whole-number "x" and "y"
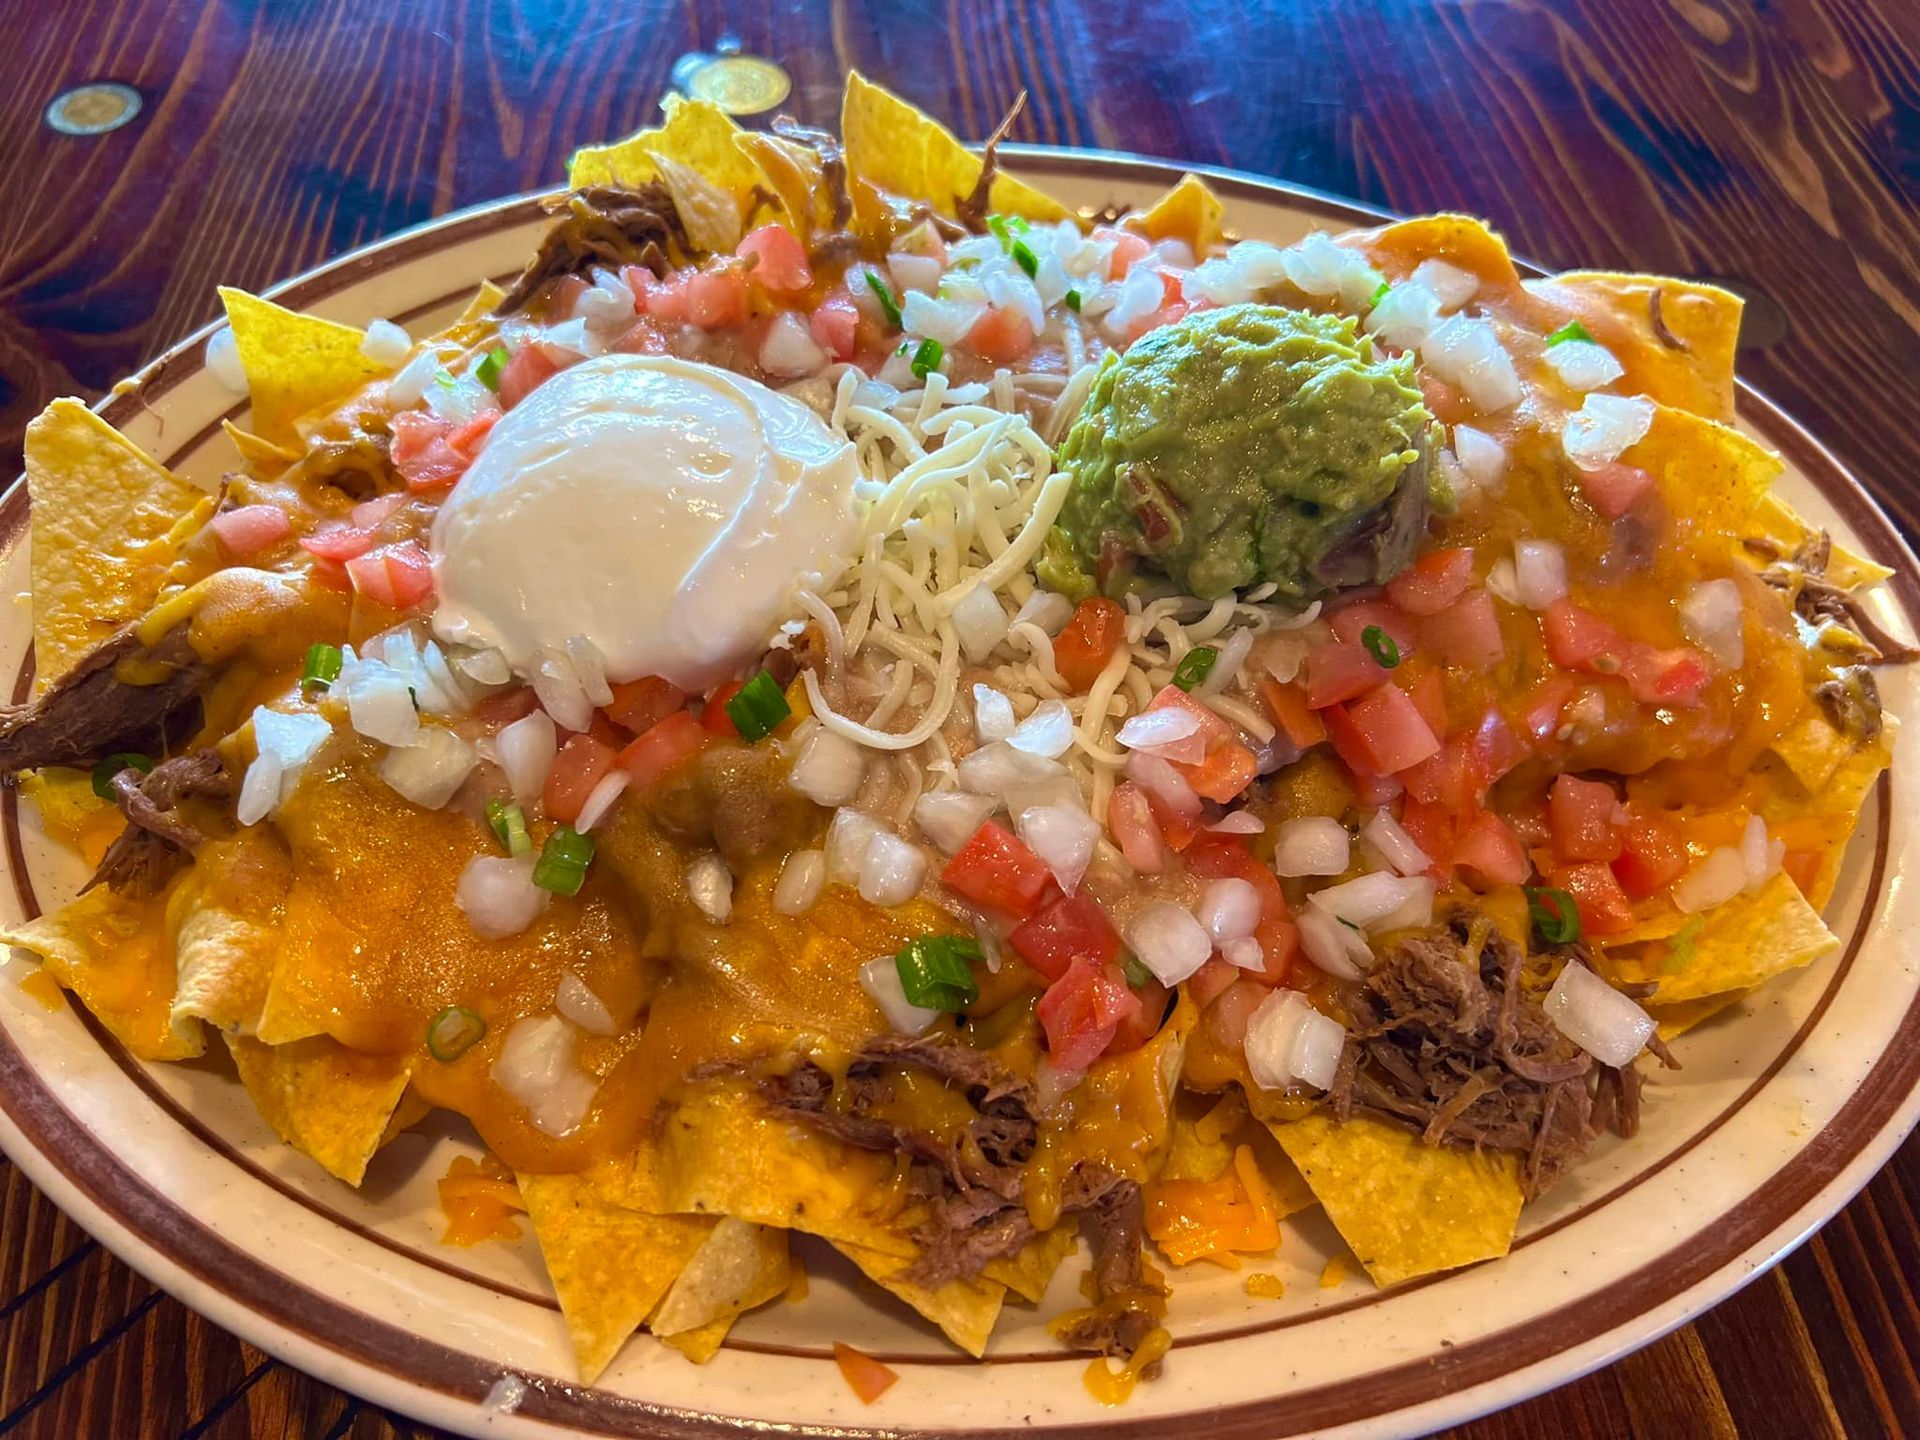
{"x": 263, "y": 458}
{"x": 1405, "y": 1208}
{"x": 793, "y": 173}
{"x": 1675, "y": 1020}
{"x": 70, "y": 813}
{"x": 1618, "y": 309}
{"x": 1189, "y": 212}
{"x": 965, "y": 1310}
{"x": 741, "y": 1265}
{"x": 479, "y": 309}
{"x": 295, "y": 364}
{"x": 1029, "y": 1270}
{"x": 709, "y": 212}
{"x": 894, "y": 147}
{"x": 609, "y": 1264}
{"x": 1814, "y": 750}
{"x": 1825, "y": 818}
{"x": 1740, "y": 945}
{"x": 1712, "y": 477}
{"x": 702, "y": 1344}
{"x": 695, "y": 133}
{"x": 1460, "y": 240}
{"x": 106, "y": 519}
{"x": 1778, "y": 521}
{"x": 326, "y": 1101}
{"x": 110, "y": 950}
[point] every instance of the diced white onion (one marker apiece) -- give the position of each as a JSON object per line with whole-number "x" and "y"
{"x": 1227, "y": 664}
{"x": 590, "y": 669}
{"x": 1338, "y": 949}
{"x": 385, "y": 343}
{"x": 1596, "y": 1017}
{"x": 710, "y": 887}
{"x": 223, "y": 361}
{"x": 457, "y": 400}
{"x": 949, "y": 818}
{"x": 1716, "y": 880}
{"x": 992, "y": 714}
{"x": 981, "y": 623}
{"x": 880, "y": 978}
{"x": 498, "y": 896}
{"x": 915, "y": 272}
{"x": 610, "y": 787}
{"x": 535, "y": 1067}
{"x": 848, "y": 837}
{"x": 559, "y": 687}
{"x": 430, "y": 770}
{"x": 829, "y": 768}
{"x": 1372, "y": 898}
{"x": 802, "y": 877}
{"x": 1288, "y": 1041}
{"x": 891, "y": 870}
{"x": 1582, "y": 365}
{"x": 1539, "y": 573}
{"x": 1238, "y": 822}
{"x": 380, "y": 703}
{"x": 1320, "y": 266}
{"x": 1244, "y": 953}
{"x": 1482, "y": 457}
{"x": 285, "y": 743}
{"x": 1311, "y": 845}
{"x": 406, "y": 388}
{"x": 1047, "y": 732}
{"x": 1048, "y": 610}
{"x": 1162, "y": 731}
{"x": 526, "y": 749}
{"x": 789, "y": 351}
{"x": 1467, "y": 352}
{"x": 1164, "y": 783}
{"x": 1169, "y": 941}
{"x": 575, "y": 1001}
{"x": 1405, "y": 316}
{"x": 1711, "y": 614}
{"x": 1064, "y": 836}
{"x": 1759, "y": 855}
{"x": 1604, "y": 428}
{"x": 998, "y": 769}
{"x": 1395, "y": 846}
{"x": 948, "y": 321}
{"x": 484, "y": 667}
{"x": 1454, "y": 286}
{"x": 1228, "y": 910}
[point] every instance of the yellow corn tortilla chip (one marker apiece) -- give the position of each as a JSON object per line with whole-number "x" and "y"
{"x": 702, "y": 1344}
{"x": 1618, "y": 309}
{"x": 1740, "y": 945}
{"x": 709, "y": 212}
{"x": 324, "y": 1100}
{"x": 965, "y": 1310}
{"x": 112, "y": 952}
{"x": 295, "y": 364}
{"x": 1778, "y": 521}
{"x": 740, "y": 1265}
{"x": 1405, "y": 1208}
{"x": 1189, "y": 212}
{"x": 262, "y": 458}
{"x": 695, "y": 133}
{"x": 223, "y": 916}
{"x": 609, "y": 1264}
{"x": 1813, "y": 750}
{"x": 1712, "y": 477}
{"x": 897, "y": 148}
{"x": 1824, "y": 819}
{"x": 1460, "y": 240}
{"x": 1676, "y": 1020}
{"x": 793, "y": 173}
{"x": 1029, "y": 1270}
{"x": 70, "y": 813}
{"x": 106, "y": 518}
{"x": 479, "y": 309}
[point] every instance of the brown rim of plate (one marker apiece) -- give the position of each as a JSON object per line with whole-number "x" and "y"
{"x": 174, "y": 1236}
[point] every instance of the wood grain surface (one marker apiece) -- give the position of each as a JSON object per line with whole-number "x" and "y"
{"x": 1772, "y": 144}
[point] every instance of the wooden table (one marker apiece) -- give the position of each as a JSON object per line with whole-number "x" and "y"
{"x": 1775, "y": 146}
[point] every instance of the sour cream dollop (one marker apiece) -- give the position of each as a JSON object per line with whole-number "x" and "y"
{"x": 665, "y": 510}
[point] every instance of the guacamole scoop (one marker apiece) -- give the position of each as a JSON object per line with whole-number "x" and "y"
{"x": 1239, "y": 446}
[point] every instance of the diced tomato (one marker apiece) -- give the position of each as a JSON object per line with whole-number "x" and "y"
{"x": 1433, "y": 582}
{"x": 1667, "y": 677}
{"x": 1448, "y": 405}
{"x": 1347, "y": 742}
{"x": 1210, "y": 980}
{"x": 1154, "y": 319}
{"x": 1492, "y": 748}
{"x": 1487, "y": 846}
{"x": 780, "y": 260}
{"x": 1391, "y": 728}
{"x": 1227, "y": 1017}
{"x": 1543, "y": 704}
{"x": 467, "y": 439}
{"x": 421, "y": 450}
{"x": 1802, "y": 867}
{"x": 1604, "y": 907}
{"x": 1374, "y": 791}
{"x": 1213, "y": 730}
{"x": 1466, "y": 633}
{"x": 1581, "y": 813}
{"x": 1287, "y": 704}
{"x": 667, "y": 301}
{"x": 1130, "y": 818}
{"x": 1580, "y": 640}
{"x": 1653, "y": 852}
{"x": 332, "y": 574}
{"x": 1141, "y": 1023}
{"x": 639, "y": 705}
{"x": 867, "y": 1377}
{"x": 1433, "y": 828}
{"x": 1227, "y": 770}
{"x": 642, "y": 282}
{"x": 247, "y": 530}
{"x": 556, "y": 299}
{"x": 1081, "y": 1013}
{"x": 1002, "y": 336}
{"x": 1338, "y": 670}
{"x": 503, "y": 707}
{"x": 1429, "y": 695}
{"x": 371, "y": 514}
{"x": 1352, "y": 621}
{"x": 1442, "y": 778}
{"x": 997, "y": 871}
{"x": 1615, "y": 488}
{"x": 713, "y": 714}
{"x": 1082, "y": 649}
{"x": 1176, "y": 829}
{"x": 1127, "y": 248}
{"x": 716, "y": 297}
{"x": 583, "y": 762}
{"x": 662, "y": 748}
{"x": 835, "y": 325}
{"x": 526, "y": 372}
{"x": 397, "y": 575}
{"x": 1071, "y": 928}
{"x": 1226, "y": 857}
{"x": 643, "y": 337}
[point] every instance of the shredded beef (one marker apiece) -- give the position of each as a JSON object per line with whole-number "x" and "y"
{"x": 604, "y": 224}
{"x": 1659, "y": 322}
{"x": 1452, "y": 1046}
{"x": 1126, "y": 1308}
{"x": 88, "y": 713}
{"x": 972, "y": 208}
{"x": 158, "y": 838}
{"x": 1801, "y": 576}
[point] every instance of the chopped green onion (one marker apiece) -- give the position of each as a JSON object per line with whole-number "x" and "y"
{"x": 509, "y": 824}
{"x": 889, "y": 306}
{"x": 1137, "y": 972}
{"x": 1572, "y": 330}
{"x": 104, "y": 772}
{"x": 453, "y": 1032}
{"x": 1554, "y": 914}
{"x": 757, "y": 708}
{"x": 1024, "y": 257}
{"x": 1195, "y": 666}
{"x": 1680, "y": 947}
{"x": 1073, "y": 301}
{"x": 562, "y": 866}
{"x": 927, "y": 358}
{"x": 935, "y": 972}
{"x": 322, "y": 667}
{"x": 1380, "y": 646}
{"x": 487, "y": 372}
{"x": 1380, "y": 293}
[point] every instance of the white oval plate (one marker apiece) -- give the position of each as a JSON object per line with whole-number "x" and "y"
{"x": 1782, "y": 1112}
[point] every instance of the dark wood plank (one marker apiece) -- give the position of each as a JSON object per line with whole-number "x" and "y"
{"x": 1777, "y": 146}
